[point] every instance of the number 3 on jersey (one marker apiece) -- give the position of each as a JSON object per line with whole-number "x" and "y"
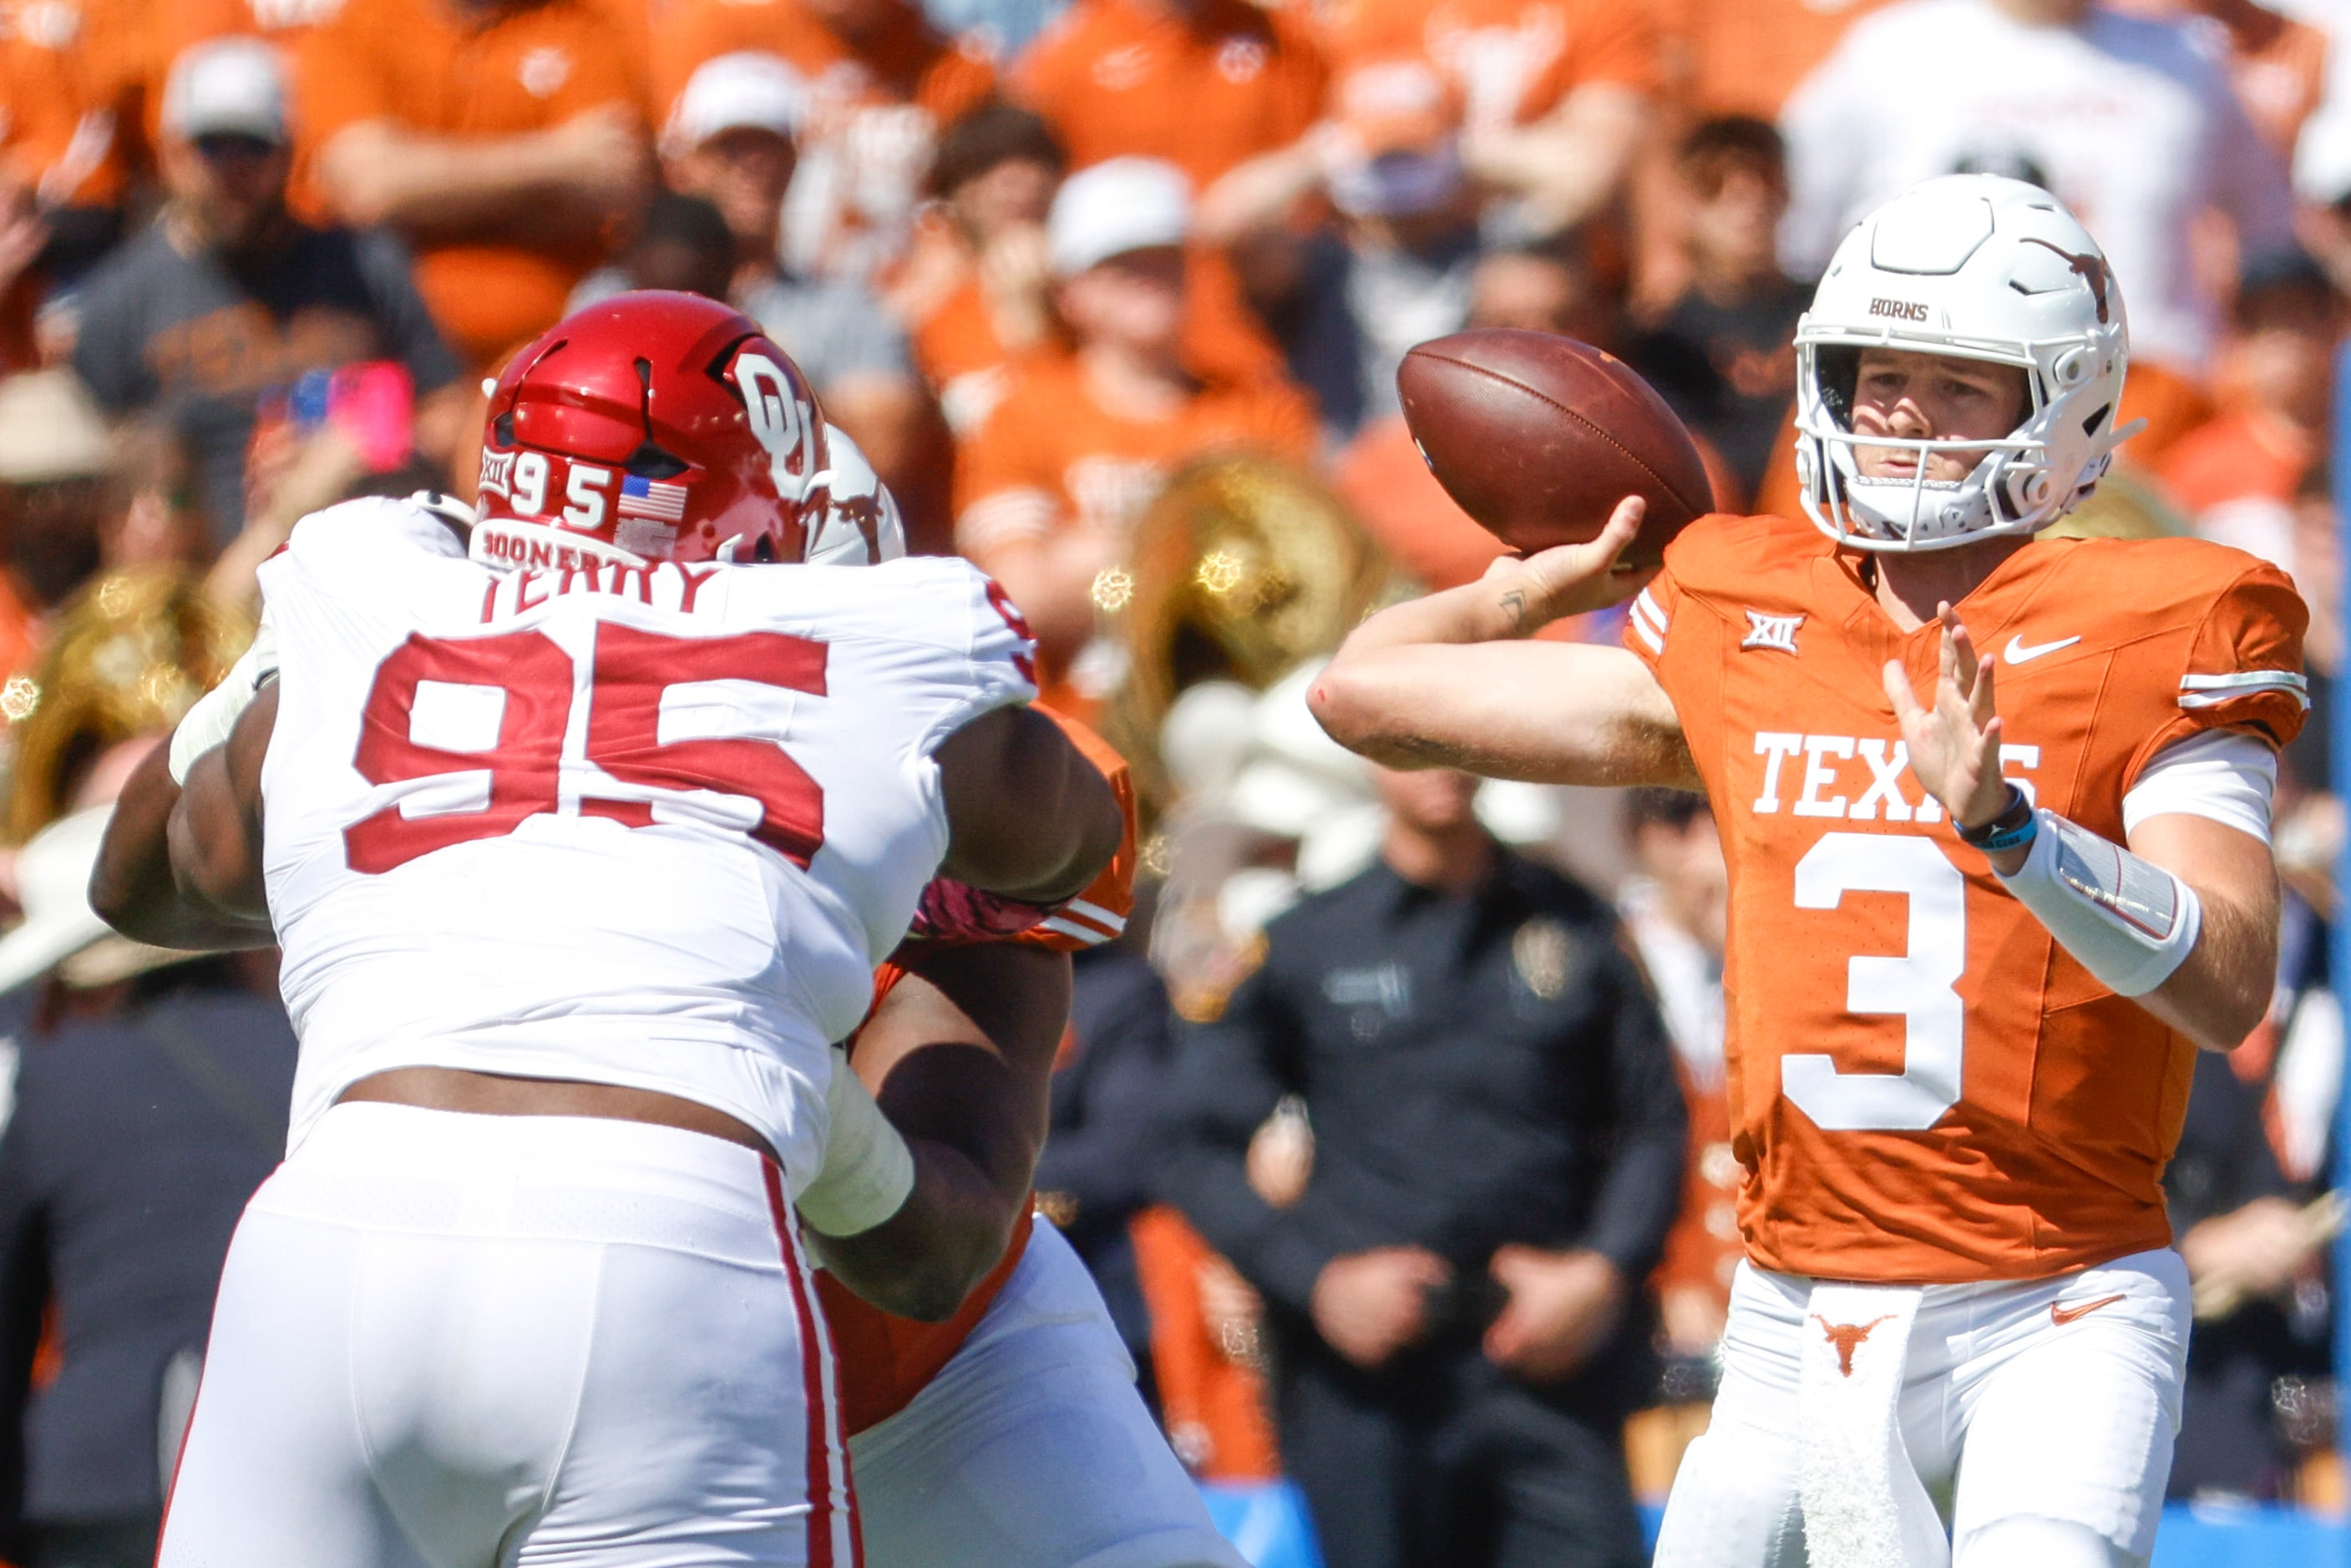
{"x": 491, "y": 713}
{"x": 1918, "y": 985}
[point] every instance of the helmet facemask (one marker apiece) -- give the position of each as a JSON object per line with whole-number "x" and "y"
{"x": 1983, "y": 269}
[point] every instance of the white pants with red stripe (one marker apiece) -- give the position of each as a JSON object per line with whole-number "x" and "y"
{"x": 450, "y": 1341}
{"x": 2038, "y": 1415}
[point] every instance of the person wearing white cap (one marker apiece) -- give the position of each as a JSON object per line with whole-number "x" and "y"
{"x": 730, "y": 141}
{"x": 1054, "y": 479}
{"x": 228, "y": 297}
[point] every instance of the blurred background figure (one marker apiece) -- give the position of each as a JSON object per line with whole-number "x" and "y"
{"x": 881, "y": 81}
{"x": 2238, "y": 474}
{"x": 1095, "y": 1174}
{"x": 211, "y": 318}
{"x": 1051, "y": 484}
{"x": 1553, "y": 95}
{"x": 975, "y": 289}
{"x": 57, "y": 459}
{"x": 2128, "y": 120}
{"x": 1674, "y": 906}
{"x": 728, "y": 150}
{"x": 1722, "y": 354}
{"x": 1457, "y": 1297}
{"x": 501, "y": 137}
{"x": 149, "y": 1100}
{"x": 1204, "y": 85}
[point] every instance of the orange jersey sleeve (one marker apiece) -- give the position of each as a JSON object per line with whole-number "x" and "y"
{"x": 2242, "y": 670}
{"x": 1922, "y": 1086}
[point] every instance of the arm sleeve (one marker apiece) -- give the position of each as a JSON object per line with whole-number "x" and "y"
{"x": 408, "y": 328}
{"x": 1648, "y": 1136}
{"x": 2242, "y": 670}
{"x": 1226, "y": 1081}
{"x": 2224, "y": 776}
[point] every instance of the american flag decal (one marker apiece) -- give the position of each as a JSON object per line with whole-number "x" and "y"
{"x": 649, "y": 498}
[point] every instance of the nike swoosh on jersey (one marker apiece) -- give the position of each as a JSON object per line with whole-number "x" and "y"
{"x": 2018, "y": 651}
{"x": 2061, "y": 1314}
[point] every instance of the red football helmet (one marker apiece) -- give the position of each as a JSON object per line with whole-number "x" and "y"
{"x": 651, "y": 427}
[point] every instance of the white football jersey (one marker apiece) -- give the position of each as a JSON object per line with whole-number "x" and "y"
{"x": 647, "y": 827}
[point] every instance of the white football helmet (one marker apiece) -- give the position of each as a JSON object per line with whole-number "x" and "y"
{"x": 1981, "y": 267}
{"x": 861, "y": 527}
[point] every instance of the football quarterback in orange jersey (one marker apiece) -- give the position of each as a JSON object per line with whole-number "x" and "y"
{"x": 1996, "y": 809}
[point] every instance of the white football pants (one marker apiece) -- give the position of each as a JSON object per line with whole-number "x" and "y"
{"x": 1031, "y": 1448}
{"x": 449, "y": 1341}
{"x": 2039, "y": 1414}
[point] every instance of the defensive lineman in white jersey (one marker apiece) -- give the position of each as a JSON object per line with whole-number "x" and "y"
{"x": 579, "y": 869}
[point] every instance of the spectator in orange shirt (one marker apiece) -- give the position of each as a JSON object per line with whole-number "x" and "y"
{"x": 502, "y": 137}
{"x": 1203, "y": 84}
{"x": 1745, "y": 57}
{"x": 1051, "y": 485}
{"x": 1554, "y": 92}
{"x": 882, "y": 81}
{"x": 2238, "y": 474}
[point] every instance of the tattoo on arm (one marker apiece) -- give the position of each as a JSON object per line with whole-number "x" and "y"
{"x": 1514, "y": 605}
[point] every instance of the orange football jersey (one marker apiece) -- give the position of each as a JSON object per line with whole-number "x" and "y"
{"x": 885, "y": 1361}
{"x": 1923, "y": 1085}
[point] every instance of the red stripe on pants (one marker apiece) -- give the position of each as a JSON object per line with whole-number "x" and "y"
{"x": 823, "y": 1418}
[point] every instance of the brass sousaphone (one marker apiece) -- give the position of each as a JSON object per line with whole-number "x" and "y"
{"x": 1241, "y": 569}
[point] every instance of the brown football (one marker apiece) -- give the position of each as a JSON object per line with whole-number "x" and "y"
{"x": 1538, "y": 437}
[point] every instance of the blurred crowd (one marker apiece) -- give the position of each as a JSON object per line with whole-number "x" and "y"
{"x": 1112, "y": 293}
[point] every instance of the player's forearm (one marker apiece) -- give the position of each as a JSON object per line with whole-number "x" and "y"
{"x": 132, "y": 887}
{"x": 378, "y": 173}
{"x": 1542, "y": 712}
{"x": 2220, "y": 993}
{"x": 924, "y": 1260}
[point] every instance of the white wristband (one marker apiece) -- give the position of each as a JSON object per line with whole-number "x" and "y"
{"x": 2129, "y": 921}
{"x": 213, "y": 717}
{"x": 868, "y": 1169}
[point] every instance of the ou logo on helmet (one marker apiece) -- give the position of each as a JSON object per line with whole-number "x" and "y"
{"x": 780, "y": 420}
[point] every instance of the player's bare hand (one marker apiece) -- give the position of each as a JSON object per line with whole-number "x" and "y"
{"x": 1561, "y": 1305}
{"x": 1954, "y": 744}
{"x": 1369, "y": 1305}
{"x": 1570, "y": 579}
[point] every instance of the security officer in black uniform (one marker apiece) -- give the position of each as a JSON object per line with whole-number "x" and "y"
{"x": 1455, "y": 1300}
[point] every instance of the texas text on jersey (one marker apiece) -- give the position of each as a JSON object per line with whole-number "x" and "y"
{"x": 1924, "y": 1085}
